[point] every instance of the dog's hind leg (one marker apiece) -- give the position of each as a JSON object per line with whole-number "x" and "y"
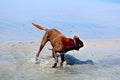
{"x": 44, "y": 41}
{"x": 55, "y": 57}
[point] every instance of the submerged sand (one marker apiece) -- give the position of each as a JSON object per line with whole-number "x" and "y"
{"x": 98, "y": 60}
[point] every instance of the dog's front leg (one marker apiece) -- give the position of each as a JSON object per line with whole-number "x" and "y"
{"x": 56, "y": 59}
{"x": 62, "y": 59}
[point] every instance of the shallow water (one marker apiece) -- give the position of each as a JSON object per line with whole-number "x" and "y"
{"x": 17, "y": 63}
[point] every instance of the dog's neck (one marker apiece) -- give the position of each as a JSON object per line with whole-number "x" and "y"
{"x": 75, "y": 45}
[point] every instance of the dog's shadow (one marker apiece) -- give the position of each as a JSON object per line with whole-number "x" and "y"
{"x": 71, "y": 60}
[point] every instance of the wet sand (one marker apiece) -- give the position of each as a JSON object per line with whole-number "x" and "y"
{"x": 98, "y": 60}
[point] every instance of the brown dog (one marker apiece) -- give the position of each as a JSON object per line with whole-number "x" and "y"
{"x": 59, "y": 42}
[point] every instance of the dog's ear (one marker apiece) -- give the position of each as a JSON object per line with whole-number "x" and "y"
{"x": 75, "y": 37}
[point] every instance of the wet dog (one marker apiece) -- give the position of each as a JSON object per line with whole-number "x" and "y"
{"x": 59, "y": 42}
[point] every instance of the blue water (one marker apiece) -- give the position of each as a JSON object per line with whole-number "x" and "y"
{"x": 26, "y": 32}
{"x": 87, "y": 19}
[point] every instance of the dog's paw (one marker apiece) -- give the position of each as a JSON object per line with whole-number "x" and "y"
{"x": 37, "y": 61}
{"x": 54, "y": 65}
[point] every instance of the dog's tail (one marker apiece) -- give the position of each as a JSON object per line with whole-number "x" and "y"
{"x": 40, "y": 27}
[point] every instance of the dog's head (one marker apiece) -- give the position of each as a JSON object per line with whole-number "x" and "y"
{"x": 79, "y": 43}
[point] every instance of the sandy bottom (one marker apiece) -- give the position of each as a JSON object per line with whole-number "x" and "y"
{"x": 98, "y": 60}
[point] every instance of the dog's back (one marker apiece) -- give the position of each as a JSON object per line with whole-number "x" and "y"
{"x": 53, "y": 33}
